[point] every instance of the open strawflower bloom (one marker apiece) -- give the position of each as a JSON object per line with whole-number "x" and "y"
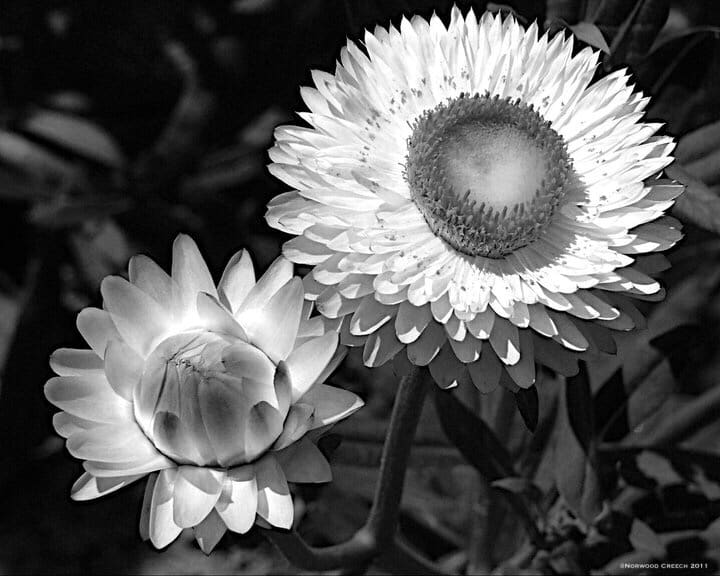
{"x": 212, "y": 391}
{"x": 466, "y": 196}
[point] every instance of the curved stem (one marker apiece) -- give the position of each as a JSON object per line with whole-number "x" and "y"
{"x": 379, "y": 530}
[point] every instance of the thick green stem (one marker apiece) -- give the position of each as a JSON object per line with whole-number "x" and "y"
{"x": 379, "y": 530}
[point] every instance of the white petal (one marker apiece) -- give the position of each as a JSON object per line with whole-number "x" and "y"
{"x": 274, "y": 327}
{"x": 123, "y": 368}
{"x": 98, "y": 328}
{"x": 331, "y": 404}
{"x": 370, "y": 316}
{"x": 523, "y": 373}
{"x": 140, "y": 319}
{"x": 72, "y": 362}
{"x": 195, "y": 493}
{"x": 238, "y": 502}
{"x": 88, "y": 487}
{"x": 190, "y": 272}
{"x": 151, "y": 279}
{"x": 215, "y": 318}
{"x": 162, "y": 528}
{"x": 307, "y": 362}
{"x": 88, "y": 397}
{"x": 505, "y": 340}
{"x": 411, "y": 321}
{"x": 111, "y": 443}
{"x": 237, "y": 280}
{"x": 246, "y": 361}
{"x": 298, "y": 421}
{"x": 274, "y": 501}
{"x": 277, "y": 275}
{"x": 381, "y": 346}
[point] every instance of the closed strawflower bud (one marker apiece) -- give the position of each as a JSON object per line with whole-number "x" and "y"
{"x": 209, "y": 390}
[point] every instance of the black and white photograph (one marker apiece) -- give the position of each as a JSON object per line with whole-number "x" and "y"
{"x": 348, "y": 287}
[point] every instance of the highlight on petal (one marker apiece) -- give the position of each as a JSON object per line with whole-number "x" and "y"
{"x": 274, "y": 501}
{"x": 88, "y": 487}
{"x": 307, "y": 362}
{"x": 195, "y": 493}
{"x": 162, "y": 530}
{"x": 238, "y": 501}
{"x": 140, "y": 319}
{"x": 237, "y": 280}
{"x": 72, "y": 362}
{"x": 98, "y": 328}
{"x": 331, "y": 404}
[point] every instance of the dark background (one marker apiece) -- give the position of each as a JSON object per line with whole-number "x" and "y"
{"x": 124, "y": 123}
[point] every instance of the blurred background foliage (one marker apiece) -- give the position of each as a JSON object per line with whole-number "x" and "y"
{"x": 123, "y": 123}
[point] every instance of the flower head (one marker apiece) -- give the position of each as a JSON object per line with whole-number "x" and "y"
{"x": 466, "y": 195}
{"x": 212, "y": 391}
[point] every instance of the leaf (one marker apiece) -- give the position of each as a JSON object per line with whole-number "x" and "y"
{"x": 475, "y": 440}
{"x": 33, "y": 160}
{"x": 578, "y": 399}
{"x": 698, "y": 205}
{"x": 650, "y": 395}
{"x": 528, "y": 406}
{"x": 520, "y": 486}
{"x": 610, "y": 404}
{"x": 575, "y": 468}
{"x": 644, "y": 539}
{"x": 65, "y": 212}
{"x": 698, "y": 144}
{"x": 568, "y": 10}
{"x": 657, "y": 467}
{"x": 633, "y": 31}
{"x": 77, "y": 135}
{"x": 591, "y": 35}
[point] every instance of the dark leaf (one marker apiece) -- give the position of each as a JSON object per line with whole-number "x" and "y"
{"x": 644, "y": 539}
{"x": 528, "y": 405}
{"x": 32, "y": 159}
{"x": 567, "y": 10}
{"x": 591, "y": 35}
{"x": 77, "y": 135}
{"x": 64, "y": 212}
{"x": 698, "y": 144}
{"x": 632, "y": 27}
{"x": 578, "y": 397}
{"x": 652, "y": 393}
{"x": 475, "y": 440}
{"x": 575, "y": 468}
{"x": 698, "y": 205}
{"x": 520, "y": 486}
{"x": 657, "y": 467}
{"x": 611, "y": 408}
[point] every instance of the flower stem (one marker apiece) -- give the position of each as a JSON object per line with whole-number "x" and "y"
{"x": 378, "y": 533}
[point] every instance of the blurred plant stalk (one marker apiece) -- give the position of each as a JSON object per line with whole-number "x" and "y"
{"x": 378, "y": 533}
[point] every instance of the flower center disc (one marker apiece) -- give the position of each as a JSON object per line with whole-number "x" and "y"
{"x": 487, "y": 173}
